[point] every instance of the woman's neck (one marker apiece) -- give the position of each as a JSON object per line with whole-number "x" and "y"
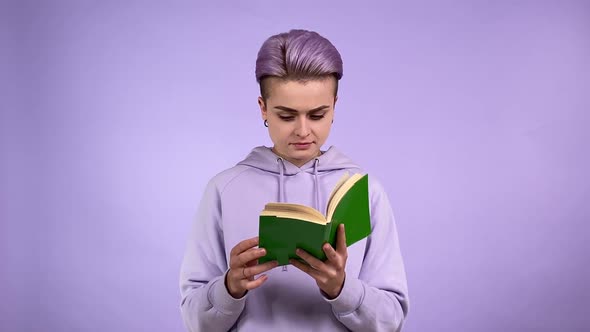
{"x": 295, "y": 162}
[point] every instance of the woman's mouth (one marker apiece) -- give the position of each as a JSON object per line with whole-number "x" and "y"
{"x": 302, "y": 146}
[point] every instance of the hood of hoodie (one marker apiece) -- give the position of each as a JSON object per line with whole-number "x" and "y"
{"x": 264, "y": 158}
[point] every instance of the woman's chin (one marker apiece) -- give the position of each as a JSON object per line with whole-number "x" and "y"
{"x": 304, "y": 155}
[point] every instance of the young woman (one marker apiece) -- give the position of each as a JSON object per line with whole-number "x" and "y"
{"x": 359, "y": 288}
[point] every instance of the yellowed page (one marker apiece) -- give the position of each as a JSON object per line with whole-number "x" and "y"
{"x": 301, "y": 211}
{"x": 340, "y": 193}
{"x": 293, "y": 215}
{"x": 339, "y": 184}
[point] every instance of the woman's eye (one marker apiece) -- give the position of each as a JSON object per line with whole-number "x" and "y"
{"x": 286, "y": 118}
{"x": 316, "y": 117}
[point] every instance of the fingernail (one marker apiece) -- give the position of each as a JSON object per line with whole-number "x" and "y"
{"x": 297, "y": 251}
{"x": 262, "y": 251}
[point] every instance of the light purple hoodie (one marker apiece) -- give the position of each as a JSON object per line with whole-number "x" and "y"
{"x": 374, "y": 296}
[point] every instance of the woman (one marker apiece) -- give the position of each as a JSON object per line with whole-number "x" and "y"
{"x": 360, "y": 288}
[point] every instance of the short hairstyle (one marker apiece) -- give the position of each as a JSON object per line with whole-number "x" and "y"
{"x": 299, "y": 55}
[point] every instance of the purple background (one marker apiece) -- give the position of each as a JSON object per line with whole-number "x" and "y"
{"x": 473, "y": 114}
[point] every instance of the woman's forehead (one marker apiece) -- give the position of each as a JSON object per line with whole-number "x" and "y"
{"x": 311, "y": 91}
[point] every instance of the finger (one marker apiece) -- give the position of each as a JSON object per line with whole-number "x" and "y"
{"x": 312, "y": 261}
{"x": 332, "y": 255}
{"x": 249, "y": 285}
{"x": 306, "y": 268}
{"x": 341, "y": 240}
{"x": 244, "y": 245}
{"x": 235, "y": 274}
{"x": 246, "y": 257}
{"x": 257, "y": 269}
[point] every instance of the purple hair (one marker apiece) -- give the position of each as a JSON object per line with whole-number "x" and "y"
{"x": 297, "y": 55}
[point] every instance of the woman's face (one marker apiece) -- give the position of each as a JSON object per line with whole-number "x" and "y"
{"x": 299, "y": 116}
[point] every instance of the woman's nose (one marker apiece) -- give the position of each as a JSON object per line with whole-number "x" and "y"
{"x": 302, "y": 129}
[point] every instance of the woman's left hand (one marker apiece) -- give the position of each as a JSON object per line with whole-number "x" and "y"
{"x": 329, "y": 275}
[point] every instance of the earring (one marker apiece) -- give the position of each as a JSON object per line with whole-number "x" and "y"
{"x": 266, "y": 123}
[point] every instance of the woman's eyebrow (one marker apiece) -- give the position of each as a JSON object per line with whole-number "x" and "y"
{"x": 291, "y": 110}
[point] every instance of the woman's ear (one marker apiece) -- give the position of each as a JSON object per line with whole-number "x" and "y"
{"x": 262, "y": 106}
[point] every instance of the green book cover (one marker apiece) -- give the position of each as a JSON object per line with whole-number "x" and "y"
{"x": 283, "y": 227}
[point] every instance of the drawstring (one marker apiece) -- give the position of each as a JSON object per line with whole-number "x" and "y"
{"x": 317, "y": 184}
{"x": 281, "y": 179}
{"x": 281, "y": 186}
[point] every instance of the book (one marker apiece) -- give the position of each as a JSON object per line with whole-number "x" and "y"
{"x": 283, "y": 227}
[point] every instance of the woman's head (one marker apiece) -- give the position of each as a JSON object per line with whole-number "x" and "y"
{"x": 297, "y": 55}
{"x": 298, "y": 73}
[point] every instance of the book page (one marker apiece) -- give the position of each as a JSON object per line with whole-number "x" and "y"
{"x": 294, "y": 215}
{"x": 296, "y": 211}
{"x": 340, "y": 193}
{"x": 339, "y": 184}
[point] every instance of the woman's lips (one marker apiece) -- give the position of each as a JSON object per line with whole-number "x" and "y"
{"x": 302, "y": 146}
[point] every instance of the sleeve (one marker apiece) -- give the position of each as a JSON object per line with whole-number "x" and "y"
{"x": 378, "y": 299}
{"x": 206, "y": 305}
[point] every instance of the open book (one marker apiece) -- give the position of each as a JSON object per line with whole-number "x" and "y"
{"x": 284, "y": 227}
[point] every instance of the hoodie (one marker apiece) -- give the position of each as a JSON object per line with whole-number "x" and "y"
{"x": 374, "y": 296}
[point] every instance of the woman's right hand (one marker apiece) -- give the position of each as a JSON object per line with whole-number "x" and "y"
{"x": 243, "y": 266}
